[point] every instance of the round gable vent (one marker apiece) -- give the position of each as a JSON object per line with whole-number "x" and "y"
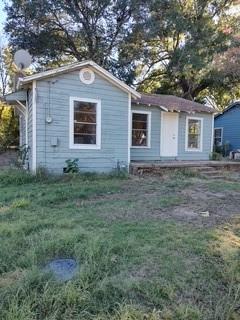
{"x": 87, "y": 76}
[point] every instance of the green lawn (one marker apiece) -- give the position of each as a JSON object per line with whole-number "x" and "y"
{"x": 145, "y": 248}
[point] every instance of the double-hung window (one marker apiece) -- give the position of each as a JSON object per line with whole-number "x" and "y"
{"x": 85, "y": 123}
{"x": 218, "y": 136}
{"x": 141, "y": 126}
{"x": 194, "y": 133}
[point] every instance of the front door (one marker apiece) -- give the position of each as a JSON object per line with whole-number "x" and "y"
{"x": 169, "y": 134}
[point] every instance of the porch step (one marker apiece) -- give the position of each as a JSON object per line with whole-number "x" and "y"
{"x": 207, "y": 169}
{"x": 211, "y": 173}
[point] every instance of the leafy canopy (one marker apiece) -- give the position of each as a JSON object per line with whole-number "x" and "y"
{"x": 163, "y": 46}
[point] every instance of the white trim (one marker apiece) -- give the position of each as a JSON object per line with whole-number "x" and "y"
{"x": 149, "y": 127}
{"x": 162, "y": 133}
{"x": 20, "y": 131}
{"x": 217, "y": 128}
{"x": 72, "y": 145}
{"x": 81, "y": 76}
{"x": 21, "y": 104}
{"x": 186, "y": 135}
{"x": 25, "y": 114}
{"x": 129, "y": 127}
{"x": 212, "y": 140}
{"x": 76, "y": 66}
{"x": 26, "y": 121}
{"x": 34, "y": 125}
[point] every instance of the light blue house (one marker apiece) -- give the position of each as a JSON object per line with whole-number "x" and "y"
{"x": 82, "y": 111}
{"x": 227, "y": 127}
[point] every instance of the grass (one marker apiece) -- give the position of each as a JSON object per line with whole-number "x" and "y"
{"x": 133, "y": 265}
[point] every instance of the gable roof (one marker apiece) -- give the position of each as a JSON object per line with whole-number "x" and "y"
{"x": 232, "y": 105}
{"x": 75, "y": 66}
{"x": 172, "y": 103}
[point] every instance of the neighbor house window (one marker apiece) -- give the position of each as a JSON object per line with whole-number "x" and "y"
{"x": 218, "y": 136}
{"x": 194, "y": 134}
{"x": 85, "y": 123}
{"x": 141, "y": 121}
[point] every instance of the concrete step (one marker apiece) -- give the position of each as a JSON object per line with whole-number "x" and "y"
{"x": 216, "y": 177}
{"x": 206, "y": 168}
{"x": 211, "y": 173}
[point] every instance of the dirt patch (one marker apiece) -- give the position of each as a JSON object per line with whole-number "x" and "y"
{"x": 186, "y": 201}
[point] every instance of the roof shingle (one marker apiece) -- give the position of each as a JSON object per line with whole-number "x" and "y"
{"x": 172, "y": 103}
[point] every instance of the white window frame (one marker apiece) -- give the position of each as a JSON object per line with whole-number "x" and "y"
{"x": 149, "y": 123}
{"x": 201, "y": 135}
{"x": 217, "y": 128}
{"x": 73, "y": 145}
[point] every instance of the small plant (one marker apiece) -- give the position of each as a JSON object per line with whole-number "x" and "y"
{"x": 20, "y": 203}
{"x": 72, "y": 166}
{"x": 215, "y": 156}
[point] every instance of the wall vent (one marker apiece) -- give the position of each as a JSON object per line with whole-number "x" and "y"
{"x": 87, "y": 76}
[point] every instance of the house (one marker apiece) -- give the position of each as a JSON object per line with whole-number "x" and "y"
{"x": 82, "y": 111}
{"x": 227, "y": 127}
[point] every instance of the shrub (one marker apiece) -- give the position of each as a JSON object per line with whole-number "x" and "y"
{"x": 72, "y": 166}
{"x": 215, "y": 156}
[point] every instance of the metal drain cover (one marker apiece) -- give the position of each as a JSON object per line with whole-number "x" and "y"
{"x": 62, "y": 269}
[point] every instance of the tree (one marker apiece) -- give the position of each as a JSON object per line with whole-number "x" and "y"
{"x": 59, "y": 30}
{"x": 8, "y": 127}
{"x": 160, "y": 46}
{"x": 181, "y": 44}
{"x": 8, "y": 121}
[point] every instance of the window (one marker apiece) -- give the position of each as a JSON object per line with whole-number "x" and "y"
{"x": 141, "y": 129}
{"x": 194, "y": 134}
{"x": 85, "y": 123}
{"x": 218, "y": 136}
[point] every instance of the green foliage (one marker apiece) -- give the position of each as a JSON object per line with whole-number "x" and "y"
{"x": 215, "y": 156}
{"x": 8, "y": 127}
{"x": 72, "y": 166}
{"x": 188, "y": 48}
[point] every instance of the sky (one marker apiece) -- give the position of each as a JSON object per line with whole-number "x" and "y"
{"x": 2, "y": 19}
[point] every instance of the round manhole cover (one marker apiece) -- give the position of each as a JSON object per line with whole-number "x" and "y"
{"x": 62, "y": 269}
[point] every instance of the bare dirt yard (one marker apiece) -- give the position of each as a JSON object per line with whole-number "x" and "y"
{"x": 149, "y": 248}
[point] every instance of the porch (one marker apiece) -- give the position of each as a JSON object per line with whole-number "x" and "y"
{"x": 204, "y": 166}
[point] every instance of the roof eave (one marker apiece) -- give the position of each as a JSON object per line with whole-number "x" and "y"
{"x": 64, "y": 69}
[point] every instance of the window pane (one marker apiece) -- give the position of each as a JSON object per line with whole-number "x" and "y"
{"x": 194, "y": 126}
{"x": 84, "y": 122}
{"x": 194, "y": 134}
{"x": 193, "y": 141}
{"x": 139, "y": 129}
{"x": 139, "y": 138}
{"x": 84, "y": 117}
{"x": 85, "y": 128}
{"x": 139, "y": 121}
{"x": 84, "y": 106}
{"x": 84, "y": 139}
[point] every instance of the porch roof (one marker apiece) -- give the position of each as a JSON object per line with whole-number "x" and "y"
{"x": 172, "y": 103}
{"x": 20, "y": 95}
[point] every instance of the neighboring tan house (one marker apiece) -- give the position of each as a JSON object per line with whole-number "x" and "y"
{"x": 82, "y": 111}
{"x": 227, "y": 127}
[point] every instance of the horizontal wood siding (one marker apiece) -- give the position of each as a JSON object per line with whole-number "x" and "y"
{"x": 56, "y": 103}
{"x": 153, "y": 154}
{"x": 230, "y": 122}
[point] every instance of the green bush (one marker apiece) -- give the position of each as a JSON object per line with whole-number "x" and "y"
{"x": 215, "y": 156}
{"x": 72, "y": 166}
